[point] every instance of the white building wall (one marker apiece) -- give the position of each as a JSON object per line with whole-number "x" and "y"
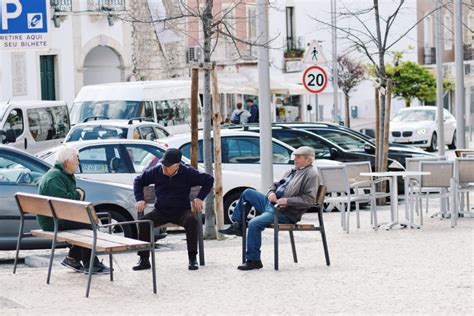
{"x": 307, "y": 27}
{"x": 78, "y": 33}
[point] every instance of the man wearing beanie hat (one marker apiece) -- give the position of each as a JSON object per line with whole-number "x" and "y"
{"x": 295, "y": 193}
{"x": 173, "y": 182}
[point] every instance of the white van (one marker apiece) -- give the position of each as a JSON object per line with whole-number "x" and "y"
{"x": 167, "y": 102}
{"x": 33, "y": 125}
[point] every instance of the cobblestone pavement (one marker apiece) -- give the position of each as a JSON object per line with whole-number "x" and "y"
{"x": 401, "y": 271}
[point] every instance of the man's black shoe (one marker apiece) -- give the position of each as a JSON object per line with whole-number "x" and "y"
{"x": 251, "y": 265}
{"x": 143, "y": 264}
{"x": 233, "y": 229}
{"x": 193, "y": 264}
{"x": 73, "y": 264}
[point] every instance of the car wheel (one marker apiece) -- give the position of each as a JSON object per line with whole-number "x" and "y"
{"x": 453, "y": 143}
{"x": 125, "y": 230}
{"x": 229, "y": 204}
{"x": 434, "y": 143}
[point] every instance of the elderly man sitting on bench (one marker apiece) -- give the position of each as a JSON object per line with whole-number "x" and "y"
{"x": 60, "y": 182}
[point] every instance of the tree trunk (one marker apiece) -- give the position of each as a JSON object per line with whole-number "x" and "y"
{"x": 347, "y": 120}
{"x": 209, "y": 227}
{"x": 386, "y": 132}
{"x": 377, "y": 127}
{"x": 216, "y": 120}
{"x": 407, "y": 103}
{"x": 194, "y": 116}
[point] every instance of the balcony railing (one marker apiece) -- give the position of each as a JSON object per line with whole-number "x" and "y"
{"x": 106, "y": 5}
{"x": 430, "y": 55}
{"x": 61, "y": 5}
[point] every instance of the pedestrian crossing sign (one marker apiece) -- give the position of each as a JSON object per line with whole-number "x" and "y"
{"x": 314, "y": 54}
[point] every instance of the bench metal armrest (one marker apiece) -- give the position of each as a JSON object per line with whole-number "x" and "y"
{"x": 149, "y": 221}
{"x": 105, "y": 214}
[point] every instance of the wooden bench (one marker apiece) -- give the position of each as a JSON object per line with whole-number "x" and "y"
{"x": 81, "y": 212}
{"x": 291, "y": 228}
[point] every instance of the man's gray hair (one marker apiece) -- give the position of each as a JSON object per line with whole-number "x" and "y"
{"x": 66, "y": 153}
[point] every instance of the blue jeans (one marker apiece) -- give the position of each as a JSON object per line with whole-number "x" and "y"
{"x": 265, "y": 214}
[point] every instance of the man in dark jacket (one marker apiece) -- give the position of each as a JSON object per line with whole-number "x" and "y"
{"x": 60, "y": 182}
{"x": 173, "y": 182}
{"x": 295, "y": 193}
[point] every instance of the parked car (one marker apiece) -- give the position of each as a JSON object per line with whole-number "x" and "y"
{"x": 352, "y": 142}
{"x": 121, "y": 160}
{"x": 138, "y": 128}
{"x": 343, "y": 150}
{"x": 21, "y": 172}
{"x": 418, "y": 126}
{"x": 241, "y": 152}
{"x": 33, "y": 125}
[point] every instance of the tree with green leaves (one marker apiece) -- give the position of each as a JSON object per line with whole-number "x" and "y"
{"x": 350, "y": 73}
{"x": 412, "y": 81}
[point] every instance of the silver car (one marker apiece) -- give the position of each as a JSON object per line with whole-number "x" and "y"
{"x": 20, "y": 171}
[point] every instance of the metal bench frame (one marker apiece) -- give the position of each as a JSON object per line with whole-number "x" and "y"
{"x": 95, "y": 225}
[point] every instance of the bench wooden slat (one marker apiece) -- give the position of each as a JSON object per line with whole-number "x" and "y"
{"x": 130, "y": 243}
{"x": 34, "y": 204}
{"x": 73, "y": 210}
{"x": 294, "y": 226}
{"x": 80, "y": 240}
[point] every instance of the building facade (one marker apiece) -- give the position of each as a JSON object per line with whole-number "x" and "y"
{"x": 426, "y": 42}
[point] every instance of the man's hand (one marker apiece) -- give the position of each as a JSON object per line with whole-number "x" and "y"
{"x": 197, "y": 205}
{"x": 140, "y": 206}
{"x": 272, "y": 197}
{"x": 81, "y": 194}
{"x": 282, "y": 202}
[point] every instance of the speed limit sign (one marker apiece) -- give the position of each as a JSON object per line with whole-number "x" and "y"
{"x": 315, "y": 79}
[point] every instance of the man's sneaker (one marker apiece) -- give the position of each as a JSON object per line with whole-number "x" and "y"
{"x": 73, "y": 264}
{"x": 143, "y": 264}
{"x": 251, "y": 265}
{"x": 233, "y": 229}
{"x": 98, "y": 268}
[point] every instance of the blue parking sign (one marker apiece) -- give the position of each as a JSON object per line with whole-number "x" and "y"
{"x": 23, "y": 16}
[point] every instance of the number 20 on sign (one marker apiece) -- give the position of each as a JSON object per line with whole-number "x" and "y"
{"x": 315, "y": 79}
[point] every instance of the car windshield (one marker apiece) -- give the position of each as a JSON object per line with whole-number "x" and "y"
{"x": 346, "y": 141}
{"x": 3, "y": 110}
{"x": 109, "y": 109}
{"x": 96, "y": 132}
{"x": 414, "y": 116}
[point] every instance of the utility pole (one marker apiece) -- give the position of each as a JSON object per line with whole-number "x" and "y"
{"x": 266, "y": 155}
{"x": 459, "y": 60}
{"x": 439, "y": 80}
{"x": 334, "y": 61}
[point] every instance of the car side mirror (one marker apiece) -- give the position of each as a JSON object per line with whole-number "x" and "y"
{"x": 369, "y": 149}
{"x": 334, "y": 153}
{"x": 10, "y": 136}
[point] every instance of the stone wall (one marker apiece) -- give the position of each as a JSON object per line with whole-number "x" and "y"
{"x": 151, "y": 59}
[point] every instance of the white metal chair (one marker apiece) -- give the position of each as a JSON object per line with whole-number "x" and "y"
{"x": 413, "y": 164}
{"x": 365, "y": 186}
{"x": 439, "y": 184}
{"x": 336, "y": 180}
{"x": 464, "y": 175}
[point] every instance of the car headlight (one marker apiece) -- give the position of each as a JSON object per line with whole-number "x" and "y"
{"x": 396, "y": 165}
{"x": 421, "y": 131}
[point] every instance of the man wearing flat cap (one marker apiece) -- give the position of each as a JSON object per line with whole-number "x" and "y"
{"x": 173, "y": 182}
{"x": 295, "y": 193}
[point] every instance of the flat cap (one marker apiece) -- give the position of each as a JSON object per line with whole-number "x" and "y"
{"x": 304, "y": 151}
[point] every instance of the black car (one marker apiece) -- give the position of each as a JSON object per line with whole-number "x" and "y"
{"x": 352, "y": 140}
{"x": 326, "y": 148}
